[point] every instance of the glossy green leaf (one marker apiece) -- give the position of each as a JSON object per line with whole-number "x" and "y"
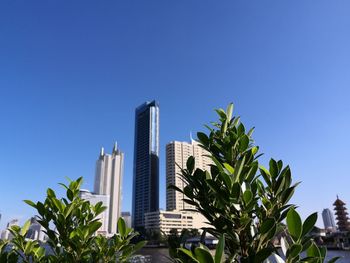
{"x": 294, "y": 224}
{"x": 309, "y": 223}
{"x": 247, "y": 196}
{"x": 267, "y": 225}
{"x": 273, "y": 168}
{"x": 294, "y": 250}
{"x": 203, "y": 255}
{"x": 221, "y": 113}
{"x": 313, "y": 251}
{"x": 262, "y": 255}
{"x": 25, "y": 228}
{"x": 229, "y": 111}
{"x": 334, "y": 259}
{"x": 31, "y": 203}
{"x": 219, "y": 253}
{"x": 121, "y": 226}
{"x": 190, "y": 164}
{"x": 229, "y": 168}
{"x": 203, "y": 138}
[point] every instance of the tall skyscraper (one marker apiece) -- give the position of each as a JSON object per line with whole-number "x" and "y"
{"x": 146, "y": 163}
{"x": 328, "y": 219}
{"x": 177, "y": 154}
{"x": 108, "y": 181}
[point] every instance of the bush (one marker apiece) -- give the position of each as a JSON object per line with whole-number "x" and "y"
{"x": 70, "y": 224}
{"x": 245, "y": 203}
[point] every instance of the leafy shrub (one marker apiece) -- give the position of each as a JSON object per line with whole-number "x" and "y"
{"x": 244, "y": 202}
{"x": 70, "y": 224}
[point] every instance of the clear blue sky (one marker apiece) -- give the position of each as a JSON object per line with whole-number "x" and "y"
{"x": 72, "y": 73}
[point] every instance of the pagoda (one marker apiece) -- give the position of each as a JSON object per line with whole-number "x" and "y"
{"x": 341, "y": 215}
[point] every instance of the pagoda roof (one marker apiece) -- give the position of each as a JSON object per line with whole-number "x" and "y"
{"x": 338, "y": 202}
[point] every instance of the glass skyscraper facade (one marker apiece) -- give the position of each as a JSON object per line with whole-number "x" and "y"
{"x": 146, "y": 163}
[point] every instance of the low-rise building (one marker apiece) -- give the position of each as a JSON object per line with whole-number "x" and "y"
{"x": 170, "y": 220}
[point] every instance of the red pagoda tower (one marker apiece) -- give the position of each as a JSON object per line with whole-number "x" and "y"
{"x": 341, "y": 215}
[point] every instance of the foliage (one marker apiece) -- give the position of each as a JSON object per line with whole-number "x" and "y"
{"x": 244, "y": 200}
{"x": 201, "y": 254}
{"x": 71, "y": 224}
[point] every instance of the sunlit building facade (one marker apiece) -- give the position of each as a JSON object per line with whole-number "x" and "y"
{"x": 108, "y": 181}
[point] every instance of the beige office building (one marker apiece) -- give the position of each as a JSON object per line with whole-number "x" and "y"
{"x": 170, "y": 220}
{"x": 108, "y": 181}
{"x": 177, "y": 154}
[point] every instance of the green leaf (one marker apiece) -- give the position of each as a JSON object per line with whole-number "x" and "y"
{"x": 203, "y": 255}
{"x": 25, "y": 228}
{"x": 229, "y": 111}
{"x": 190, "y": 164}
{"x": 31, "y": 203}
{"x": 139, "y": 245}
{"x": 267, "y": 225}
{"x": 236, "y": 190}
{"x": 334, "y": 259}
{"x": 188, "y": 254}
{"x": 273, "y": 168}
{"x": 247, "y": 196}
{"x": 313, "y": 251}
{"x": 219, "y": 253}
{"x": 238, "y": 169}
{"x": 93, "y": 227}
{"x": 227, "y": 179}
{"x": 294, "y": 224}
{"x": 243, "y": 143}
{"x": 121, "y": 226}
{"x": 229, "y": 168}
{"x": 203, "y": 138}
{"x": 29, "y": 247}
{"x": 69, "y": 208}
{"x": 265, "y": 174}
{"x": 50, "y": 192}
{"x": 262, "y": 255}
{"x": 221, "y": 113}
{"x": 294, "y": 250}
{"x": 58, "y": 204}
{"x": 309, "y": 224}
{"x": 70, "y": 194}
{"x": 173, "y": 187}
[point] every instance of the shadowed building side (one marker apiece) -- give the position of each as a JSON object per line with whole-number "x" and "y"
{"x": 146, "y": 163}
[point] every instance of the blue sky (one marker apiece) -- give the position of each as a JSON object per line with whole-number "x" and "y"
{"x": 73, "y": 72}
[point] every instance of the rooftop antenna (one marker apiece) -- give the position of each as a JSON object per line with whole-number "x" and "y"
{"x": 102, "y": 151}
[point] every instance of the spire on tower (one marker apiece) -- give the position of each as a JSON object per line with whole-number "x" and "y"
{"x": 102, "y": 152}
{"x": 191, "y": 138}
{"x": 115, "y": 148}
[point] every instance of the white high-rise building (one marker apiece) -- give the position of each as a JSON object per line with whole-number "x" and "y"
{"x": 104, "y": 216}
{"x": 328, "y": 220}
{"x": 108, "y": 181}
{"x": 6, "y": 234}
{"x": 177, "y": 154}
